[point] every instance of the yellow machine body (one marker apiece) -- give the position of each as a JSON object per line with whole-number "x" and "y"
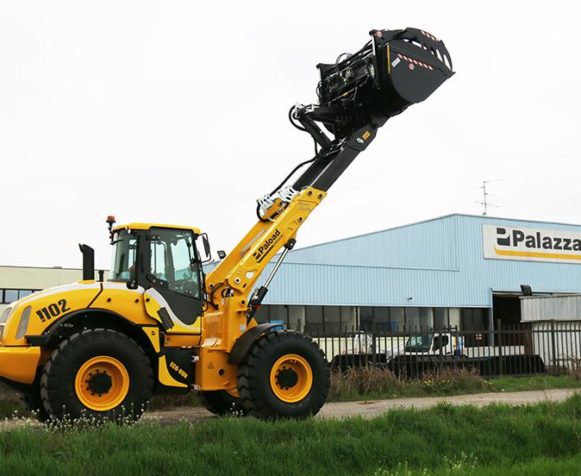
{"x": 21, "y": 360}
{"x": 211, "y": 336}
{"x": 239, "y": 271}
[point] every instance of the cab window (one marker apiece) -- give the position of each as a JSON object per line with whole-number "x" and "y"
{"x": 173, "y": 261}
{"x": 124, "y": 256}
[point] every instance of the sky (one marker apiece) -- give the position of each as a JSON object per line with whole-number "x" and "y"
{"x": 176, "y": 112}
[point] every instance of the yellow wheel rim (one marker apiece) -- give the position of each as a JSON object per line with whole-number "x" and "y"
{"x": 291, "y": 378}
{"x": 102, "y": 383}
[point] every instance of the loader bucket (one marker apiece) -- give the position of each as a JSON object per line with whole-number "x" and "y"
{"x": 414, "y": 63}
{"x": 396, "y": 69}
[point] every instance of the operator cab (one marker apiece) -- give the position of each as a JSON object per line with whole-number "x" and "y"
{"x": 165, "y": 258}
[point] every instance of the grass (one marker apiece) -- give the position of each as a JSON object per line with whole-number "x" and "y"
{"x": 466, "y": 465}
{"x": 537, "y": 439}
{"x": 537, "y": 382}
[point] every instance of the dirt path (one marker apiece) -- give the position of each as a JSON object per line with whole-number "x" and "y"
{"x": 365, "y": 409}
{"x": 371, "y": 408}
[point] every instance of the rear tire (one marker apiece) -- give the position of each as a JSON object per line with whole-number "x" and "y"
{"x": 285, "y": 375}
{"x": 221, "y": 403}
{"x": 97, "y": 374}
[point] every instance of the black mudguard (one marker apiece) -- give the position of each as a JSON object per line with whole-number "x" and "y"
{"x": 245, "y": 341}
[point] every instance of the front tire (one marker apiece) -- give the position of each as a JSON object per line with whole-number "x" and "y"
{"x": 285, "y": 375}
{"x": 97, "y": 373}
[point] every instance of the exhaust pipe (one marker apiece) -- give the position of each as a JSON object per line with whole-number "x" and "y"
{"x": 88, "y": 262}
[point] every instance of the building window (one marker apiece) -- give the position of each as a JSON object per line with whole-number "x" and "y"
{"x": 278, "y": 314}
{"x": 426, "y": 316}
{"x": 332, "y": 320}
{"x": 366, "y": 318}
{"x": 441, "y": 318}
{"x": 296, "y": 318}
{"x": 314, "y": 324}
{"x": 383, "y": 321}
{"x": 412, "y": 319}
{"x": 474, "y": 319}
{"x": 8, "y": 296}
{"x": 397, "y": 315}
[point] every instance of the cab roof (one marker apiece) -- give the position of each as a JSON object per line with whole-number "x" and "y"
{"x": 147, "y": 226}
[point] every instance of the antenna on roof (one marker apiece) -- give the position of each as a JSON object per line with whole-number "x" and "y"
{"x": 485, "y": 194}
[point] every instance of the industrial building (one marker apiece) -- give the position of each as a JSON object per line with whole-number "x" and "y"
{"x": 456, "y": 270}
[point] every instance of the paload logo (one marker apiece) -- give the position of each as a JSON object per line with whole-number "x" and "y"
{"x": 266, "y": 246}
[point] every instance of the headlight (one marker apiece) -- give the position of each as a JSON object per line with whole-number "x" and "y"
{"x": 23, "y": 324}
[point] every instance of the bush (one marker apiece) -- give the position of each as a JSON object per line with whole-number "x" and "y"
{"x": 376, "y": 382}
{"x": 363, "y": 381}
{"x": 454, "y": 381}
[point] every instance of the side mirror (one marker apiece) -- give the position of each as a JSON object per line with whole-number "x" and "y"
{"x": 221, "y": 254}
{"x": 207, "y": 252}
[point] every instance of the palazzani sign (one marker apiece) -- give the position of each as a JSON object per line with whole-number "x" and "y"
{"x": 504, "y": 242}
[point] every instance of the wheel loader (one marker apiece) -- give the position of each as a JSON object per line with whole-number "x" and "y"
{"x": 161, "y": 324}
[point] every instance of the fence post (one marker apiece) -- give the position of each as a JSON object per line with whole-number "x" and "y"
{"x": 553, "y": 345}
{"x": 499, "y": 340}
{"x": 373, "y": 347}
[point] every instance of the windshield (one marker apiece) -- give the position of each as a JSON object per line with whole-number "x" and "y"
{"x": 124, "y": 257}
{"x": 173, "y": 261}
{"x": 419, "y": 343}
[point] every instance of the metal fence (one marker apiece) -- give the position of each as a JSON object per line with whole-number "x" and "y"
{"x": 524, "y": 349}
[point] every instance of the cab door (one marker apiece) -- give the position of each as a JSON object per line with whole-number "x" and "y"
{"x": 175, "y": 273}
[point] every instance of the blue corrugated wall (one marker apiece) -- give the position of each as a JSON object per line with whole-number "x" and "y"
{"x": 436, "y": 263}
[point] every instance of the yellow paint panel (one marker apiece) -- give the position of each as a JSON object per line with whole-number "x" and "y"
{"x": 165, "y": 377}
{"x": 48, "y": 307}
{"x": 128, "y": 303}
{"x": 19, "y": 364}
{"x": 152, "y": 334}
{"x": 208, "y": 371}
{"x": 173, "y": 340}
